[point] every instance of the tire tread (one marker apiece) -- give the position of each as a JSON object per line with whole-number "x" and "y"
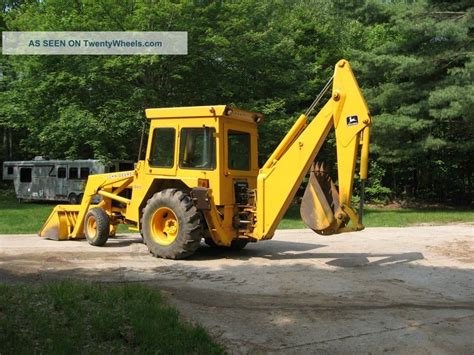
{"x": 103, "y": 227}
{"x": 190, "y": 224}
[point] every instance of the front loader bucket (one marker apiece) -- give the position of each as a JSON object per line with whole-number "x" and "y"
{"x": 320, "y": 201}
{"x": 60, "y": 223}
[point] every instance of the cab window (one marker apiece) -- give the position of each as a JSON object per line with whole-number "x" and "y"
{"x": 239, "y": 150}
{"x": 162, "y": 148}
{"x": 197, "y": 148}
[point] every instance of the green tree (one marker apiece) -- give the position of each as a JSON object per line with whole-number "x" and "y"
{"x": 418, "y": 78}
{"x": 414, "y": 60}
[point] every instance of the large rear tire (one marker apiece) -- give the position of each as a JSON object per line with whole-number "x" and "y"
{"x": 97, "y": 227}
{"x": 171, "y": 225}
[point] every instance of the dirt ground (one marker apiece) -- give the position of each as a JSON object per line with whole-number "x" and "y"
{"x": 395, "y": 290}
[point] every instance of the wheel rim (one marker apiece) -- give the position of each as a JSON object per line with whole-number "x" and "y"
{"x": 164, "y": 226}
{"x": 91, "y": 226}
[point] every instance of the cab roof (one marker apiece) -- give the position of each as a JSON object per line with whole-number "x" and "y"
{"x": 204, "y": 112}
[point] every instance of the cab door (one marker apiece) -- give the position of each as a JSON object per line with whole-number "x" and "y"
{"x": 240, "y": 158}
{"x": 161, "y": 155}
{"x": 161, "y": 161}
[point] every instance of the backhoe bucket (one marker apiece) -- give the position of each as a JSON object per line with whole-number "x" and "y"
{"x": 320, "y": 201}
{"x": 60, "y": 223}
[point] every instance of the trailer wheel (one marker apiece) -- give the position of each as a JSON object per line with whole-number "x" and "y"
{"x": 171, "y": 225}
{"x": 72, "y": 199}
{"x": 97, "y": 226}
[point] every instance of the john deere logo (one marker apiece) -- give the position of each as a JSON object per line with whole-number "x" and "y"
{"x": 352, "y": 120}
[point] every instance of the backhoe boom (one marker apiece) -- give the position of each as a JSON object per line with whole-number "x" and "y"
{"x": 282, "y": 174}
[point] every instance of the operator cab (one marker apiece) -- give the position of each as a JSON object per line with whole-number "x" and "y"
{"x": 210, "y": 146}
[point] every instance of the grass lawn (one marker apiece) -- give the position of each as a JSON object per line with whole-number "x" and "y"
{"x": 78, "y": 317}
{"x": 28, "y": 217}
{"x": 24, "y": 217}
{"x": 400, "y": 217}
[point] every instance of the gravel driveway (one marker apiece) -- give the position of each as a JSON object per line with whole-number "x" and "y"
{"x": 396, "y": 290}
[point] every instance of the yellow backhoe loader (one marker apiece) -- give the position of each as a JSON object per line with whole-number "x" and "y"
{"x": 201, "y": 180}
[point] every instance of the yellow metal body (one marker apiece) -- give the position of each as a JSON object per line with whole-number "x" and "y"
{"x": 270, "y": 189}
{"x": 146, "y": 179}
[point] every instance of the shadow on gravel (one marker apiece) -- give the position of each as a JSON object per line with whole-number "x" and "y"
{"x": 120, "y": 242}
{"x": 277, "y": 250}
{"x": 273, "y": 250}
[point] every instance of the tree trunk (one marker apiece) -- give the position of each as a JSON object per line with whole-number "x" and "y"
{"x": 10, "y": 145}
{"x": 415, "y": 182}
{"x": 5, "y": 144}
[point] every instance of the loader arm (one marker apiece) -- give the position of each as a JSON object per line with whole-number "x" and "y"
{"x": 282, "y": 174}
{"x": 67, "y": 221}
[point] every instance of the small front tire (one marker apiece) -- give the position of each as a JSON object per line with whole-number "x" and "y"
{"x": 97, "y": 227}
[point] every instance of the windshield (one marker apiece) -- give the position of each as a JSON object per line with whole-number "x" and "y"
{"x": 198, "y": 148}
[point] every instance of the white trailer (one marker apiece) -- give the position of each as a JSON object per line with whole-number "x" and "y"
{"x": 56, "y": 180}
